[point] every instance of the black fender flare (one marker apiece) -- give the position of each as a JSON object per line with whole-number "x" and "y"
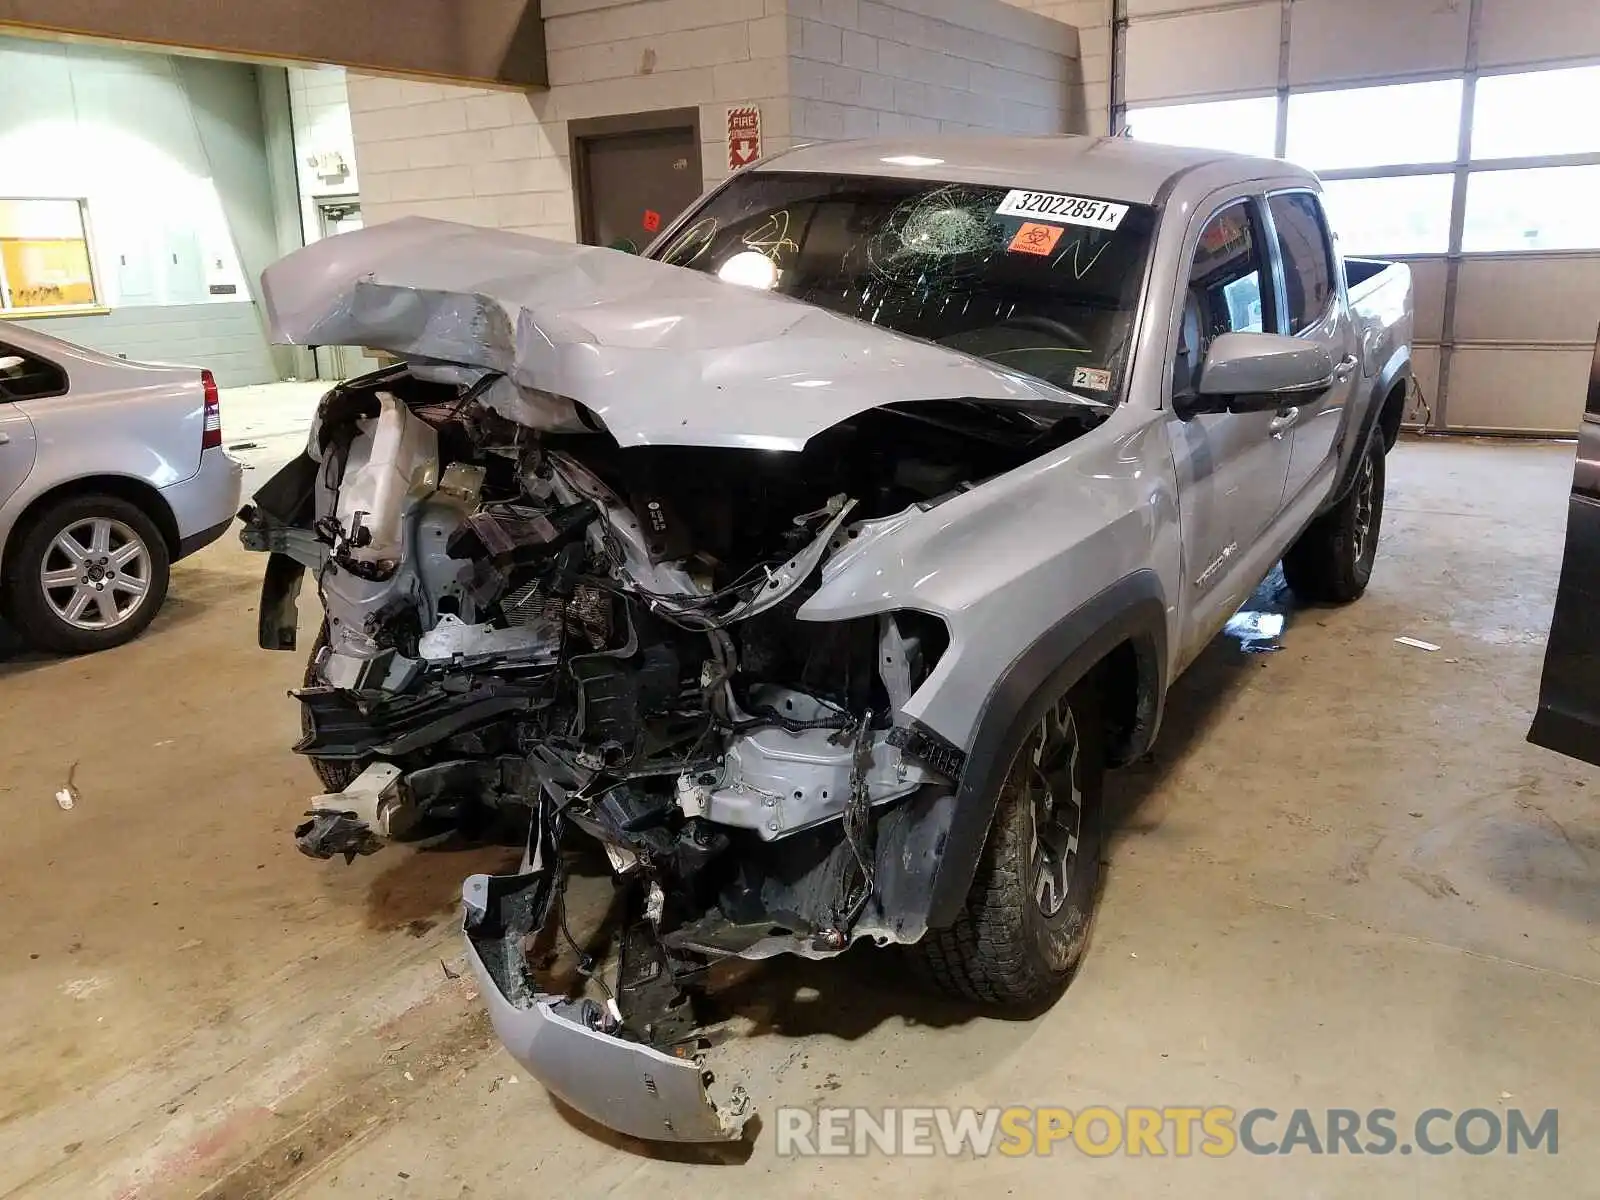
{"x": 1132, "y": 609}
{"x": 1397, "y": 368}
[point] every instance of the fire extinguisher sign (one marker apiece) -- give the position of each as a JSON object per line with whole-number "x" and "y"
{"x": 744, "y": 136}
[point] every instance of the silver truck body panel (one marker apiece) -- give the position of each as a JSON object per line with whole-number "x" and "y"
{"x": 1108, "y": 168}
{"x": 662, "y": 356}
{"x": 631, "y": 1088}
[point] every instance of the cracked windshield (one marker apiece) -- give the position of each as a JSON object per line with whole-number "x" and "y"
{"x": 1038, "y": 282}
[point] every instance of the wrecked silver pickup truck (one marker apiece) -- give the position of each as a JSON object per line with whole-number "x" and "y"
{"x": 816, "y": 564}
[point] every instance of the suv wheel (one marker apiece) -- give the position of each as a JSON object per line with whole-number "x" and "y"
{"x": 1027, "y": 917}
{"x": 1331, "y": 562}
{"x": 88, "y": 573}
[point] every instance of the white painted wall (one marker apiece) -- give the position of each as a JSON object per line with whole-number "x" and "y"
{"x": 861, "y": 68}
{"x": 501, "y": 159}
{"x": 130, "y": 134}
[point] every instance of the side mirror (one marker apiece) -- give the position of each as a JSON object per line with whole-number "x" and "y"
{"x": 10, "y": 362}
{"x": 1260, "y": 372}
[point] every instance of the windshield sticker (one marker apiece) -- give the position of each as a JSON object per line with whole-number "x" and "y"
{"x": 1096, "y": 379}
{"x": 1067, "y": 210}
{"x": 1033, "y": 238}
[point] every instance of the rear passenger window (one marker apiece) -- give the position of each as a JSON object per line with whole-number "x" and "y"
{"x": 26, "y": 377}
{"x": 1308, "y": 278}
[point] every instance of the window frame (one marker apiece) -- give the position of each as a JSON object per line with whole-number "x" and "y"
{"x": 96, "y": 304}
{"x": 7, "y": 349}
{"x": 1280, "y": 268}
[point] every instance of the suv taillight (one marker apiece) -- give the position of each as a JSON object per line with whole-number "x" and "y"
{"x": 212, "y": 437}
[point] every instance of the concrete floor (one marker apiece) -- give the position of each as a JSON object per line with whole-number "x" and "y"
{"x": 1343, "y": 881}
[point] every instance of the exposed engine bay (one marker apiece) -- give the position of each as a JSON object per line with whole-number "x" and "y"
{"x": 525, "y": 619}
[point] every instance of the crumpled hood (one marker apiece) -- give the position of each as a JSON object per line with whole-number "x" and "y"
{"x": 662, "y": 355}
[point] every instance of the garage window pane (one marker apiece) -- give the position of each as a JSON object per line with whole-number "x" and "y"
{"x": 1543, "y": 208}
{"x": 44, "y": 255}
{"x": 1408, "y": 214}
{"x": 1375, "y": 126}
{"x": 1541, "y": 112}
{"x": 1239, "y": 126}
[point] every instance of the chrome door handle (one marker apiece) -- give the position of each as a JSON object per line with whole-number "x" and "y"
{"x": 5, "y": 439}
{"x": 1283, "y": 422}
{"x": 1346, "y": 368}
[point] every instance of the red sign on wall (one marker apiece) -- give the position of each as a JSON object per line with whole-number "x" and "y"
{"x": 744, "y": 136}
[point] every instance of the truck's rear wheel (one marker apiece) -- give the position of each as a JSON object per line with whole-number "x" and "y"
{"x": 1331, "y": 562}
{"x": 335, "y": 774}
{"x": 1027, "y": 917}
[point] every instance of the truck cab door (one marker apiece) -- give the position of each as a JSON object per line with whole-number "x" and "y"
{"x": 1313, "y": 304}
{"x": 1231, "y": 467}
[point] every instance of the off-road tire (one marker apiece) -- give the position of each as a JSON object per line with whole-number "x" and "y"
{"x": 26, "y": 603}
{"x": 335, "y": 774}
{"x": 1331, "y": 562}
{"x": 1003, "y": 951}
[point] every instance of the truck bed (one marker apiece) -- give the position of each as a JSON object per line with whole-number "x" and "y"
{"x": 1380, "y": 305}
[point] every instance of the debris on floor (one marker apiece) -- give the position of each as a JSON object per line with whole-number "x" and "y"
{"x": 67, "y": 797}
{"x": 1256, "y": 632}
{"x": 1418, "y": 643}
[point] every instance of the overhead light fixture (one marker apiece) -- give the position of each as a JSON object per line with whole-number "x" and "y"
{"x": 912, "y": 160}
{"x": 751, "y": 269}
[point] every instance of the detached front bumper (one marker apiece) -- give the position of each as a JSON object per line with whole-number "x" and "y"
{"x": 631, "y": 1088}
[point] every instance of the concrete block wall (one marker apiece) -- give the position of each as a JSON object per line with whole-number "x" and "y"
{"x": 1092, "y": 19}
{"x": 501, "y": 159}
{"x": 864, "y": 68}
{"x": 818, "y": 69}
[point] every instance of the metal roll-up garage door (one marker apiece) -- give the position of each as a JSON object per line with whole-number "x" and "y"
{"x": 1461, "y": 136}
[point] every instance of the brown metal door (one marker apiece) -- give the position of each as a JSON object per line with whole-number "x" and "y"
{"x": 632, "y": 184}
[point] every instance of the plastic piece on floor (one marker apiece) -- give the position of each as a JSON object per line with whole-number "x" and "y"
{"x": 1416, "y": 643}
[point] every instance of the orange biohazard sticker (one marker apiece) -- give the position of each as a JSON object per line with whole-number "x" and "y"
{"x": 1034, "y": 238}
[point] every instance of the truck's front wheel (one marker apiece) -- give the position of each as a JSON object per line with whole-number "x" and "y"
{"x": 1331, "y": 562}
{"x": 1027, "y": 916}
